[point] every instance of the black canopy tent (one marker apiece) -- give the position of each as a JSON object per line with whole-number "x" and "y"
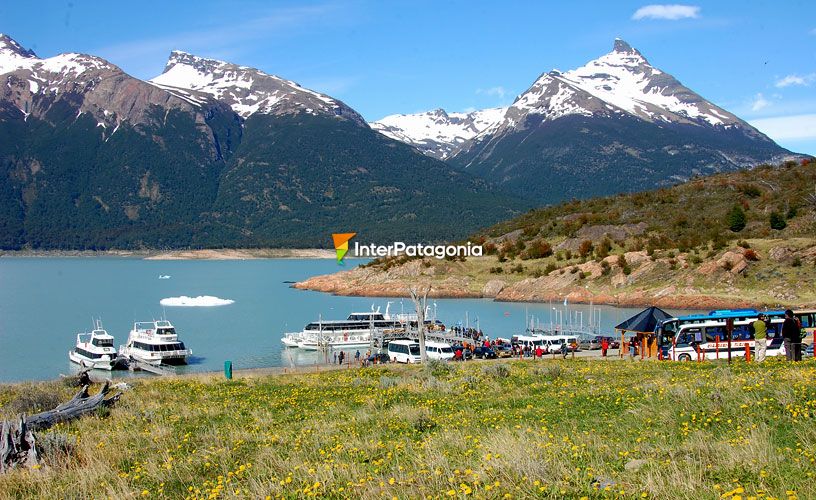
{"x": 642, "y": 326}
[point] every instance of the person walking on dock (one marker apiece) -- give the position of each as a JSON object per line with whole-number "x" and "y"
{"x": 760, "y": 338}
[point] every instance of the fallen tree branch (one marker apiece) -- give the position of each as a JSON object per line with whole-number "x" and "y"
{"x": 18, "y": 444}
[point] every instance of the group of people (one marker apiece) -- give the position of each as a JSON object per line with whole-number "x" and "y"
{"x": 791, "y": 336}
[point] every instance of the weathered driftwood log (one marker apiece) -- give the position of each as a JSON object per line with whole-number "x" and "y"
{"x": 18, "y": 445}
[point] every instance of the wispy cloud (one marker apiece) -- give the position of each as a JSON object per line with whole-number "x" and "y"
{"x": 221, "y": 41}
{"x": 759, "y": 102}
{"x": 789, "y": 80}
{"x": 497, "y": 91}
{"x": 671, "y": 12}
{"x": 793, "y": 127}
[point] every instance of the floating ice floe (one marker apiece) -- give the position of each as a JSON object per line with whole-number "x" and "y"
{"x": 200, "y": 301}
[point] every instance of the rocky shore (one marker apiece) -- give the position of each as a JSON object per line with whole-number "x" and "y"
{"x": 765, "y": 276}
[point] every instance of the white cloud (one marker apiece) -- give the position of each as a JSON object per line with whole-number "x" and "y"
{"x": 759, "y": 102}
{"x": 497, "y": 91}
{"x": 792, "y": 127}
{"x": 671, "y": 12}
{"x": 795, "y": 80}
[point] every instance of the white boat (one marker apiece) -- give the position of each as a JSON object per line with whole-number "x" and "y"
{"x": 155, "y": 342}
{"x": 291, "y": 339}
{"x": 95, "y": 350}
{"x": 354, "y": 331}
{"x": 164, "y": 276}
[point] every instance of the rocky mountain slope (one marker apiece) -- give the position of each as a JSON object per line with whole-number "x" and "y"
{"x": 208, "y": 154}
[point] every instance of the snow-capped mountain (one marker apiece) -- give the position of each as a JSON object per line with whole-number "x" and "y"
{"x": 438, "y": 133}
{"x": 620, "y": 82}
{"x": 209, "y": 154}
{"x": 247, "y": 90}
{"x": 628, "y": 123}
{"x": 95, "y": 86}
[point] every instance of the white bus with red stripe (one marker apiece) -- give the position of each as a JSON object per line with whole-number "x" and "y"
{"x": 708, "y": 339}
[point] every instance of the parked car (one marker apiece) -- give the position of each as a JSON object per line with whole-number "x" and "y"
{"x": 613, "y": 344}
{"x": 484, "y": 353}
{"x": 380, "y": 357}
{"x": 504, "y": 351}
{"x": 466, "y": 353}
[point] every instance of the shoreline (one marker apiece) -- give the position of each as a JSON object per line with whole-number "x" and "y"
{"x": 641, "y": 299}
{"x": 200, "y": 254}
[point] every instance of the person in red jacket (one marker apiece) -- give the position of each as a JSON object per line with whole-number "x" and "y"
{"x": 604, "y": 347}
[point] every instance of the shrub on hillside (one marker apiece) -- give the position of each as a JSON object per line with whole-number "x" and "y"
{"x": 538, "y": 249}
{"x": 750, "y": 255}
{"x": 735, "y": 220}
{"x": 777, "y": 222}
{"x": 585, "y": 248}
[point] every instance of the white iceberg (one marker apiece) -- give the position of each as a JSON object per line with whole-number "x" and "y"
{"x": 200, "y": 301}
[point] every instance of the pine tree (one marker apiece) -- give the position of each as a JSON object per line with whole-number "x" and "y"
{"x": 736, "y": 219}
{"x": 777, "y": 221}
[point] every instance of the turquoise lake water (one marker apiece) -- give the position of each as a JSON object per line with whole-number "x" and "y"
{"x": 45, "y": 302}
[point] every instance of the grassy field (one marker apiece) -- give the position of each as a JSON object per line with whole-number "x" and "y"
{"x": 521, "y": 429}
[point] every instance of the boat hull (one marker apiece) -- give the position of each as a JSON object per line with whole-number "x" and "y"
{"x": 101, "y": 364}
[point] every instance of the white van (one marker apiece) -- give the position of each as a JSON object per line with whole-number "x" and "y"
{"x": 528, "y": 340}
{"x": 404, "y": 351}
{"x": 439, "y": 350}
{"x": 551, "y": 343}
{"x": 570, "y": 340}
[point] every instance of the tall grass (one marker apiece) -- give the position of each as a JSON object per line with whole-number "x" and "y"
{"x": 528, "y": 430}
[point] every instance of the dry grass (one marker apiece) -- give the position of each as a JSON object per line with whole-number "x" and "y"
{"x": 547, "y": 429}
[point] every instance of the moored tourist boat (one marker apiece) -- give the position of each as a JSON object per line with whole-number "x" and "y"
{"x": 95, "y": 349}
{"x": 155, "y": 342}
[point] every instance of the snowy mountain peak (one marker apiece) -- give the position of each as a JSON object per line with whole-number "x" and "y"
{"x": 10, "y": 46}
{"x": 247, "y": 90}
{"x": 623, "y": 47}
{"x": 438, "y": 133}
{"x": 621, "y": 82}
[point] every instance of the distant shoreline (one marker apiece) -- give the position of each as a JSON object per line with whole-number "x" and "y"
{"x": 204, "y": 254}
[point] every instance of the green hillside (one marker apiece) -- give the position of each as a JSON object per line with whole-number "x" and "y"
{"x": 704, "y": 211}
{"x": 746, "y": 238}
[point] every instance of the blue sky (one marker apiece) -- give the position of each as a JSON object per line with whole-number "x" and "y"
{"x": 756, "y": 59}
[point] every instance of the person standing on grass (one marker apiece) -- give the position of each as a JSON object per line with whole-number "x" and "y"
{"x": 760, "y": 338}
{"x": 604, "y": 347}
{"x": 335, "y": 358}
{"x": 357, "y": 356}
{"x": 792, "y": 335}
{"x": 341, "y": 357}
{"x": 564, "y": 349}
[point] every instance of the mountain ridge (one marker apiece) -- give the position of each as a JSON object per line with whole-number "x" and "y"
{"x": 614, "y": 98}
{"x": 93, "y": 158}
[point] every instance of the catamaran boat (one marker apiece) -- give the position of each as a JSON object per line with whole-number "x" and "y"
{"x": 156, "y": 343}
{"x": 354, "y": 331}
{"x": 95, "y": 350}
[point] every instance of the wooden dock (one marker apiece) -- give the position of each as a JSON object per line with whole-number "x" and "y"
{"x": 137, "y": 364}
